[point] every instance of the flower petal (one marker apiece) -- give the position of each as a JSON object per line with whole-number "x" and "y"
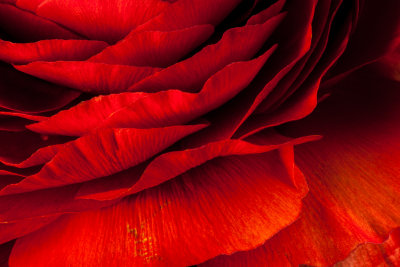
{"x": 371, "y": 255}
{"x": 172, "y": 164}
{"x": 88, "y": 76}
{"x": 304, "y": 98}
{"x": 154, "y": 48}
{"x": 244, "y": 197}
{"x": 369, "y": 29}
{"x": 18, "y": 146}
{"x": 24, "y": 26}
{"x": 31, "y": 5}
{"x": 94, "y": 112}
{"x": 352, "y": 174}
{"x": 237, "y": 44}
{"x": 107, "y": 20}
{"x": 5, "y": 250}
{"x": 174, "y": 107}
{"x": 187, "y": 13}
{"x": 10, "y": 231}
{"x": 49, "y": 50}
{"x": 164, "y": 108}
{"x": 21, "y": 92}
{"x": 43, "y": 203}
{"x": 102, "y": 153}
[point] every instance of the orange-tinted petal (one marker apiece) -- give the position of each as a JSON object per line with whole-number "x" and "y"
{"x": 352, "y": 174}
{"x": 226, "y": 205}
{"x": 372, "y": 254}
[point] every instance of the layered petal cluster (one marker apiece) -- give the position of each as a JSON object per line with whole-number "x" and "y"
{"x": 172, "y": 133}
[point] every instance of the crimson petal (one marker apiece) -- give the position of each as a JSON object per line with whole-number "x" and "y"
{"x": 88, "y": 76}
{"x": 27, "y": 27}
{"x": 154, "y": 48}
{"x": 172, "y": 164}
{"x": 102, "y": 153}
{"x": 237, "y": 44}
{"x": 244, "y": 197}
{"x": 106, "y": 20}
{"x": 49, "y": 50}
{"x": 165, "y": 108}
{"x": 21, "y": 92}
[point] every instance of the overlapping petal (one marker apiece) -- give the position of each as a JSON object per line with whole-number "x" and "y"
{"x": 172, "y": 164}
{"x": 24, "y": 93}
{"x": 154, "y": 48}
{"x": 142, "y": 229}
{"x": 166, "y": 108}
{"x": 88, "y": 76}
{"x": 352, "y": 174}
{"x": 49, "y": 50}
{"x": 102, "y": 153}
{"x": 23, "y": 26}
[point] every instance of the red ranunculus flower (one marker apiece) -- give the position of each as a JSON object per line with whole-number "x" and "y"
{"x": 176, "y": 133}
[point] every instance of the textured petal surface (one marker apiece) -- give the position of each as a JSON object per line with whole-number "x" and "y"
{"x": 102, "y": 153}
{"x": 155, "y": 48}
{"x": 237, "y": 44}
{"x": 352, "y": 174}
{"x": 107, "y": 20}
{"x": 49, "y": 50}
{"x": 371, "y": 255}
{"x": 93, "y": 112}
{"x": 160, "y": 109}
{"x": 135, "y": 230}
{"x": 88, "y": 76}
{"x": 172, "y": 164}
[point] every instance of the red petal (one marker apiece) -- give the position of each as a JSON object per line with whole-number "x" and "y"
{"x": 108, "y": 20}
{"x": 304, "y": 100}
{"x": 170, "y": 165}
{"x": 187, "y": 13}
{"x": 171, "y": 107}
{"x": 176, "y": 107}
{"x": 13, "y": 121}
{"x": 267, "y": 13}
{"x": 27, "y": 27}
{"x": 49, "y": 50}
{"x": 102, "y": 153}
{"x": 16, "y": 147}
{"x": 5, "y": 250}
{"x": 371, "y": 255}
{"x": 88, "y": 76}
{"x": 352, "y": 174}
{"x": 93, "y": 112}
{"x": 43, "y": 203}
{"x": 370, "y": 29}
{"x": 29, "y": 4}
{"x": 10, "y": 231}
{"x": 154, "y": 48}
{"x": 229, "y": 204}
{"x": 237, "y": 44}
{"x": 20, "y": 92}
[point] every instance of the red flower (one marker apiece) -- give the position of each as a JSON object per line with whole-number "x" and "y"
{"x": 170, "y": 133}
